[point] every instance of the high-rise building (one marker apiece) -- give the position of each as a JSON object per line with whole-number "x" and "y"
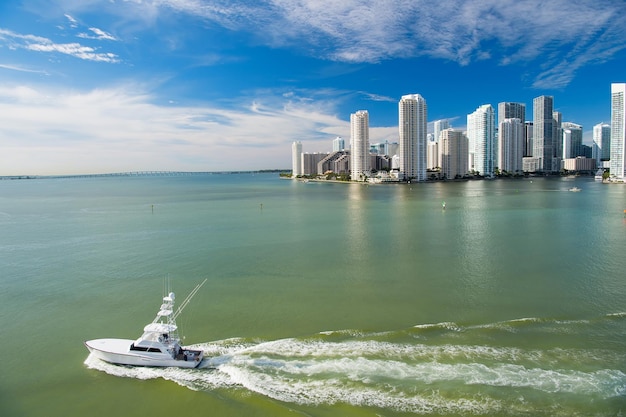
{"x": 511, "y": 140}
{"x": 601, "y": 150}
{"x": 528, "y": 147}
{"x": 413, "y": 127}
{"x": 572, "y": 140}
{"x": 337, "y": 162}
{"x": 618, "y": 130}
{"x": 557, "y": 135}
{"x": 296, "y": 159}
{"x": 310, "y": 162}
{"x": 509, "y": 110}
{"x": 453, "y": 155}
{"x": 481, "y": 134}
{"x": 392, "y": 148}
{"x": 543, "y": 130}
{"x": 438, "y": 127}
{"x": 339, "y": 144}
{"x": 359, "y": 145}
{"x": 432, "y": 155}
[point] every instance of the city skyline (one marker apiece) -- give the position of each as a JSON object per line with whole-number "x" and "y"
{"x": 192, "y": 85}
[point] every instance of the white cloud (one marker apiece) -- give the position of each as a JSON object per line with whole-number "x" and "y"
{"x": 545, "y": 35}
{"x": 554, "y": 39}
{"x": 74, "y": 49}
{"x": 378, "y": 97}
{"x": 41, "y": 44}
{"x": 98, "y": 34}
{"x": 122, "y": 129}
{"x": 73, "y": 22}
{"x": 22, "y": 69}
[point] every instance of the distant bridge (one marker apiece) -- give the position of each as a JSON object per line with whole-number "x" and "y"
{"x": 132, "y": 174}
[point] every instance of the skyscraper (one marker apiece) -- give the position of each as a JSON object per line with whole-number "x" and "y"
{"x": 557, "y": 137}
{"x": 359, "y": 145}
{"x": 413, "y": 127}
{"x": 511, "y": 138}
{"x": 601, "y": 150}
{"x": 296, "y": 159}
{"x": 572, "y": 140}
{"x": 433, "y": 159}
{"x": 543, "y": 130}
{"x": 438, "y": 127}
{"x": 508, "y": 110}
{"x": 453, "y": 154}
{"x": 618, "y": 130}
{"x": 481, "y": 134}
{"x": 528, "y": 147}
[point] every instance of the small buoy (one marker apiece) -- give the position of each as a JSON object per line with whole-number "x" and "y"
{"x": 443, "y": 205}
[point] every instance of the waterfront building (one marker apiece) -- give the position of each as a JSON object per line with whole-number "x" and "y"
{"x": 618, "y": 131}
{"x": 310, "y": 163}
{"x": 339, "y": 144}
{"x": 601, "y": 148}
{"x": 481, "y": 136}
{"x": 395, "y": 163}
{"x": 296, "y": 159}
{"x": 580, "y": 163}
{"x": 543, "y": 132}
{"x": 412, "y": 112}
{"x": 572, "y": 140}
{"x": 432, "y": 157}
{"x": 359, "y": 145}
{"x": 528, "y": 147}
{"x": 530, "y": 164}
{"x": 337, "y": 162}
{"x": 511, "y": 141}
{"x": 380, "y": 162}
{"x": 454, "y": 153}
{"x": 557, "y": 135}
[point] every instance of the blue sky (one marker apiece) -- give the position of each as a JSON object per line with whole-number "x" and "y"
{"x": 90, "y": 86}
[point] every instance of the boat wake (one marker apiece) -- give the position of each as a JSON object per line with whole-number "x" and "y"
{"x": 415, "y": 370}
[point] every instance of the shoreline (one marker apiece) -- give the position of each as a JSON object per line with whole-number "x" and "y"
{"x": 529, "y": 177}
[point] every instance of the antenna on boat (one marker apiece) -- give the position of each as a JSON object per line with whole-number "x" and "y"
{"x": 167, "y": 285}
{"x": 188, "y": 299}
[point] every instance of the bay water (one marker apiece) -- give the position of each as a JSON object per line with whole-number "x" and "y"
{"x": 322, "y": 299}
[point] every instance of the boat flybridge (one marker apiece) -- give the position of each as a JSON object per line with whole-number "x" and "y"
{"x": 159, "y": 345}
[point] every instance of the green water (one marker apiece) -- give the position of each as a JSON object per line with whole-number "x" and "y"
{"x": 321, "y": 300}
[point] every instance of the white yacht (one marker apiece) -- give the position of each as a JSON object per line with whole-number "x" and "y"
{"x": 159, "y": 345}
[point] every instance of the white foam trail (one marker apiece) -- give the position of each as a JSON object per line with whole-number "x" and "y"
{"x": 417, "y": 378}
{"x": 294, "y": 348}
{"x": 311, "y": 391}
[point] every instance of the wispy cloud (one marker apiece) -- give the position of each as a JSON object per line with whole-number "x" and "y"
{"x": 378, "y": 97}
{"x": 41, "y": 44}
{"x": 73, "y": 22}
{"x": 570, "y": 35}
{"x": 74, "y": 49}
{"x": 98, "y": 34}
{"x": 22, "y": 69}
{"x": 122, "y": 129}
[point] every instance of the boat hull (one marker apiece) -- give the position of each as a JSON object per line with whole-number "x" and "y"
{"x": 117, "y": 351}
